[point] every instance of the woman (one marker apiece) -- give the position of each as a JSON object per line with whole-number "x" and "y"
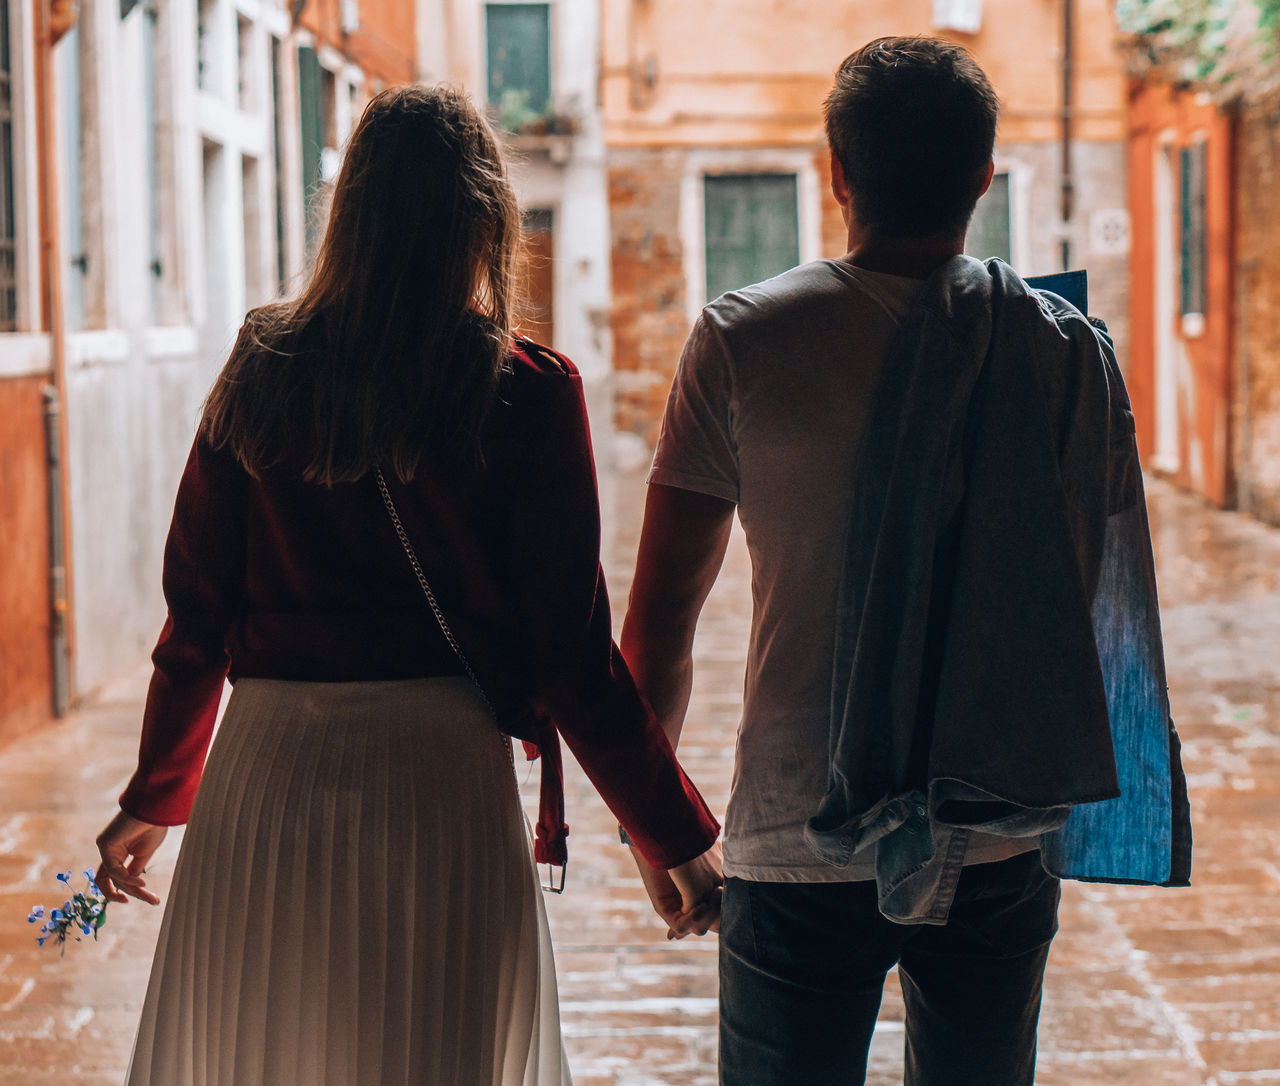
{"x": 355, "y": 901}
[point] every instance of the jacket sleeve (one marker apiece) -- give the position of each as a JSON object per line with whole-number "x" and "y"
{"x": 579, "y": 677}
{"x": 204, "y": 569}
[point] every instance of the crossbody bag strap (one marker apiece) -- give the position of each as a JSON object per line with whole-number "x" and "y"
{"x": 425, "y": 585}
{"x": 468, "y": 670}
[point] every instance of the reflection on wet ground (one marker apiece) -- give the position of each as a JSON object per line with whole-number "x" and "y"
{"x": 1146, "y": 987}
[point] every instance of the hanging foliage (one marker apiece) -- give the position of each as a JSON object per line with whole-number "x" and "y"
{"x": 1229, "y": 48}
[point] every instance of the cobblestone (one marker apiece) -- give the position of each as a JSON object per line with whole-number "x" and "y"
{"x": 1146, "y": 987}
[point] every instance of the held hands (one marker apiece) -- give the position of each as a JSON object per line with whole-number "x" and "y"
{"x": 126, "y": 846}
{"x": 687, "y": 897}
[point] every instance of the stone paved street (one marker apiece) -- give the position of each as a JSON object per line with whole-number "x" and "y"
{"x": 1146, "y": 987}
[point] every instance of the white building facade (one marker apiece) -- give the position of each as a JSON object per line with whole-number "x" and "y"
{"x": 193, "y": 139}
{"x": 536, "y": 66}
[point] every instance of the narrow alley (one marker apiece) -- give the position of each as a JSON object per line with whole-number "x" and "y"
{"x": 1146, "y": 987}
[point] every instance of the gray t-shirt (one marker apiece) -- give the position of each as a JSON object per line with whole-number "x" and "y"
{"x": 767, "y": 410}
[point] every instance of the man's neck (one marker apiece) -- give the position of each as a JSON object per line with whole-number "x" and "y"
{"x": 915, "y": 258}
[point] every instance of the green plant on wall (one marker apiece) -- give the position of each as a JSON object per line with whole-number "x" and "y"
{"x": 1226, "y": 47}
{"x": 514, "y": 113}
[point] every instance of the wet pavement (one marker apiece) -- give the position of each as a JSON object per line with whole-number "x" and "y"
{"x": 1146, "y": 987}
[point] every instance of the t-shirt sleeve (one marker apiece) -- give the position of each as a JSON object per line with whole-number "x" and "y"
{"x": 696, "y": 450}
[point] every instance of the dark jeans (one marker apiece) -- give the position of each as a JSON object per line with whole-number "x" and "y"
{"x": 802, "y": 968}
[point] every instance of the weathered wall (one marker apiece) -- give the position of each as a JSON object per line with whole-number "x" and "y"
{"x": 130, "y": 422}
{"x": 1256, "y": 407}
{"x": 382, "y": 44}
{"x": 654, "y": 297}
{"x": 136, "y": 373}
{"x": 754, "y": 71}
{"x": 24, "y": 559}
{"x": 1101, "y": 179}
{"x": 649, "y": 310}
{"x": 676, "y": 108}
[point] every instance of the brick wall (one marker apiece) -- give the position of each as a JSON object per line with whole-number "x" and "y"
{"x": 1256, "y": 404}
{"x": 649, "y": 316}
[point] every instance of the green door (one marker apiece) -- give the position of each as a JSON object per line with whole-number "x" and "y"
{"x": 752, "y": 228}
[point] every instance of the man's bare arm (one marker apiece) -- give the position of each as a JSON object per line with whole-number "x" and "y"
{"x": 682, "y": 546}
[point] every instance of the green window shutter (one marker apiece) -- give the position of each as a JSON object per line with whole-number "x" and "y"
{"x": 311, "y": 123}
{"x": 518, "y": 50}
{"x": 990, "y": 231}
{"x": 1193, "y": 214}
{"x": 752, "y": 228}
{"x": 277, "y": 159}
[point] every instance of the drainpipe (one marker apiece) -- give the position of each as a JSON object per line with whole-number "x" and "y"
{"x": 1068, "y": 102}
{"x": 53, "y": 19}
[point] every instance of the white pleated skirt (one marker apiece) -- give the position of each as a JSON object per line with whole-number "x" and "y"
{"x": 355, "y": 902}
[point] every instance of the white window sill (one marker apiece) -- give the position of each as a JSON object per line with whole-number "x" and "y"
{"x": 25, "y": 354}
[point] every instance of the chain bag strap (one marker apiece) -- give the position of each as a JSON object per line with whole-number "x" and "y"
{"x": 425, "y": 585}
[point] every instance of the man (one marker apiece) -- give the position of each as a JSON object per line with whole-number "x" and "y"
{"x": 924, "y": 456}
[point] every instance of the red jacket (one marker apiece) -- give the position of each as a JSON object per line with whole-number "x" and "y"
{"x": 273, "y": 577}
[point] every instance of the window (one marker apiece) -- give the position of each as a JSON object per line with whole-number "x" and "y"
{"x": 205, "y": 47}
{"x": 518, "y": 49}
{"x": 277, "y": 156}
{"x": 1194, "y": 257}
{"x": 77, "y": 246}
{"x": 536, "y": 274}
{"x": 752, "y": 228}
{"x": 244, "y": 64}
{"x": 256, "y": 288}
{"x": 328, "y": 125}
{"x": 990, "y": 230}
{"x": 151, "y": 163}
{"x": 311, "y": 118}
{"x": 8, "y": 221}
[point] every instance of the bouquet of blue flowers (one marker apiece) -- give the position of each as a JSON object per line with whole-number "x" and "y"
{"x": 84, "y": 912}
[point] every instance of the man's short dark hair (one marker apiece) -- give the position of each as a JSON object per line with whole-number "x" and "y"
{"x": 913, "y": 123}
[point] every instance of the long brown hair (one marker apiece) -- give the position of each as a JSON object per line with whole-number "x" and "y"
{"x": 394, "y": 348}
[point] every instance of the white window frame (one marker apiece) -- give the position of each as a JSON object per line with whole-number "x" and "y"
{"x": 702, "y": 164}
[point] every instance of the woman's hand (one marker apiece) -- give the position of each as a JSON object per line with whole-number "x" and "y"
{"x": 126, "y": 846}
{"x": 687, "y": 897}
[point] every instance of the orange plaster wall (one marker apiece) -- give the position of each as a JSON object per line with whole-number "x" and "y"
{"x": 746, "y": 72}
{"x": 25, "y": 679}
{"x": 383, "y": 45}
{"x": 1160, "y": 116}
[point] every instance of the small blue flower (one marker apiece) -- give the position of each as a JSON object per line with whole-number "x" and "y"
{"x": 64, "y": 876}
{"x": 56, "y": 916}
{"x": 88, "y": 873}
{"x": 86, "y": 929}
{"x": 40, "y": 941}
{"x": 35, "y": 914}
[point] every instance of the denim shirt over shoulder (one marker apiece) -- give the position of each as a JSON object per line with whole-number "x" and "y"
{"x": 998, "y": 662}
